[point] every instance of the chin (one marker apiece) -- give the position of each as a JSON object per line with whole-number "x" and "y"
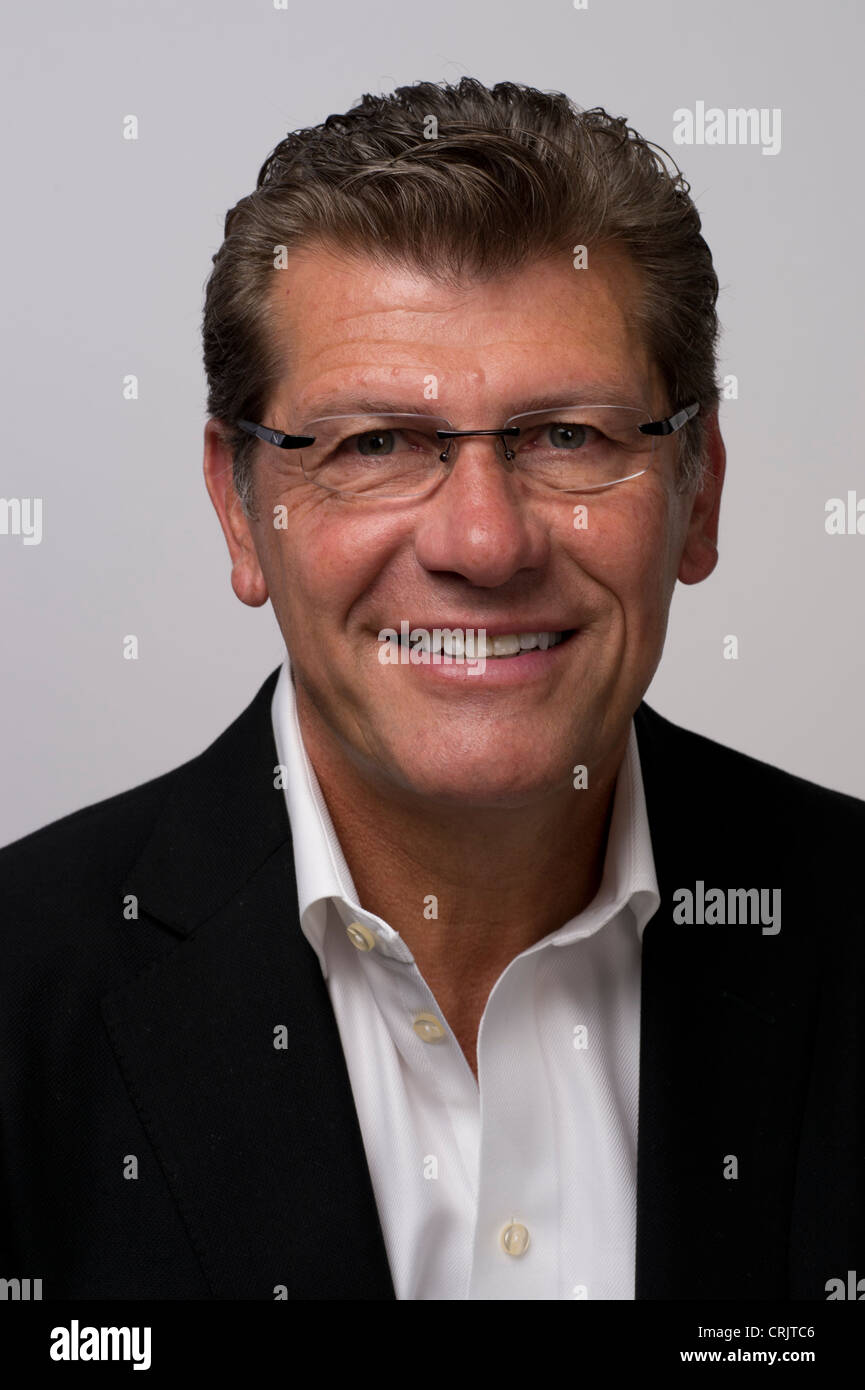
{"x": 486, "y": 779}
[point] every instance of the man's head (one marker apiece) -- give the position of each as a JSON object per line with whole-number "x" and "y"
{"x": 451, "y": 260}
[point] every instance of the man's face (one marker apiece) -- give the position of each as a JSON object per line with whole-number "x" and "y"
{"x": 483, "y": 550}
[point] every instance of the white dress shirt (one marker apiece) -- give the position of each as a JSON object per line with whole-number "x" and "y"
{"x": 522, "y": 1184}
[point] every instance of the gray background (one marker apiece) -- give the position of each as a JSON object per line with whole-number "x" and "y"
{"x": 106, "y": 247}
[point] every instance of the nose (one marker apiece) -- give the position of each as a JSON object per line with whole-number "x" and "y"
{"x": 479, "y": 523}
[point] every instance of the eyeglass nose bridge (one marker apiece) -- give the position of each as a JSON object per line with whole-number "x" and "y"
{"x": 510, "y": 430}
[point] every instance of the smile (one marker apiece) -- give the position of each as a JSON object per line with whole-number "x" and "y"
{"x": 472, "y": 642}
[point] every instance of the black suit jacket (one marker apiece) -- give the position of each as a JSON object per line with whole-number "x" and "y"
{"x": 146, "y": 1044}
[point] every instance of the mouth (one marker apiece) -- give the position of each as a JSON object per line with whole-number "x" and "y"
{"x": 501, "y": 646}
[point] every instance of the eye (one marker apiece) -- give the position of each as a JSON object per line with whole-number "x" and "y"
{"x": 375, "y": 443}
{"x": 570, "y": 436}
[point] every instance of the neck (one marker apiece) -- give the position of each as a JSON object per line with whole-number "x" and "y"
{"x": 468, "y": 889}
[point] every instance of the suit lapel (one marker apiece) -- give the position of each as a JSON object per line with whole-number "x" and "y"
{"x": 724, "y": 1047}
{"x": 260, "y": 1144}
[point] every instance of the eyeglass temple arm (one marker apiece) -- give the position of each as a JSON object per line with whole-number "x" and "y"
{"x": 282, "y": 441}
{"x": 672, "y": 423}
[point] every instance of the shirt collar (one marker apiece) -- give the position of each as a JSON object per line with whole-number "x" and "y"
{"x": 323, "y": 875}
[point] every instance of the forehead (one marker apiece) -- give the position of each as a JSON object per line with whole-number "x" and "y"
{"x": 346, "y": 324}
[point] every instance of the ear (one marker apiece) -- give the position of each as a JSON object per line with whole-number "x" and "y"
{"x": 700, "y": 551}
{"x": 247, "y": 579}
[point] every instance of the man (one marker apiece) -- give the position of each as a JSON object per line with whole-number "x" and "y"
{"x": 451, "y": 970}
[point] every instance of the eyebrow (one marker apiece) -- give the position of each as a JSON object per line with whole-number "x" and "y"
{"x": 593, "y": 393}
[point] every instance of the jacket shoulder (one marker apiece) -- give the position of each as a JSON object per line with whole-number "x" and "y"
{"x": 754, "y": 785}
{"x": 59, "y": 881}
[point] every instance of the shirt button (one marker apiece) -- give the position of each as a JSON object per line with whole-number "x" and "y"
{"x": 360, "y": 936}
{"x": 515, "y": 1239}
{"x": 428, "y": 1028}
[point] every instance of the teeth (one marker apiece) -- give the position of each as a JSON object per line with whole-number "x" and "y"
{"x": 454, "y": 643}
{"x": 511, "y": 644}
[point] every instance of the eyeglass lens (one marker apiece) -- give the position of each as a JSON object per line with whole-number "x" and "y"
{"x": 565, "y": 448}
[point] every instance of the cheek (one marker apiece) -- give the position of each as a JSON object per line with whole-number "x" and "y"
{"x": 327, "y": 558}
{"x": 625, "y": 547}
